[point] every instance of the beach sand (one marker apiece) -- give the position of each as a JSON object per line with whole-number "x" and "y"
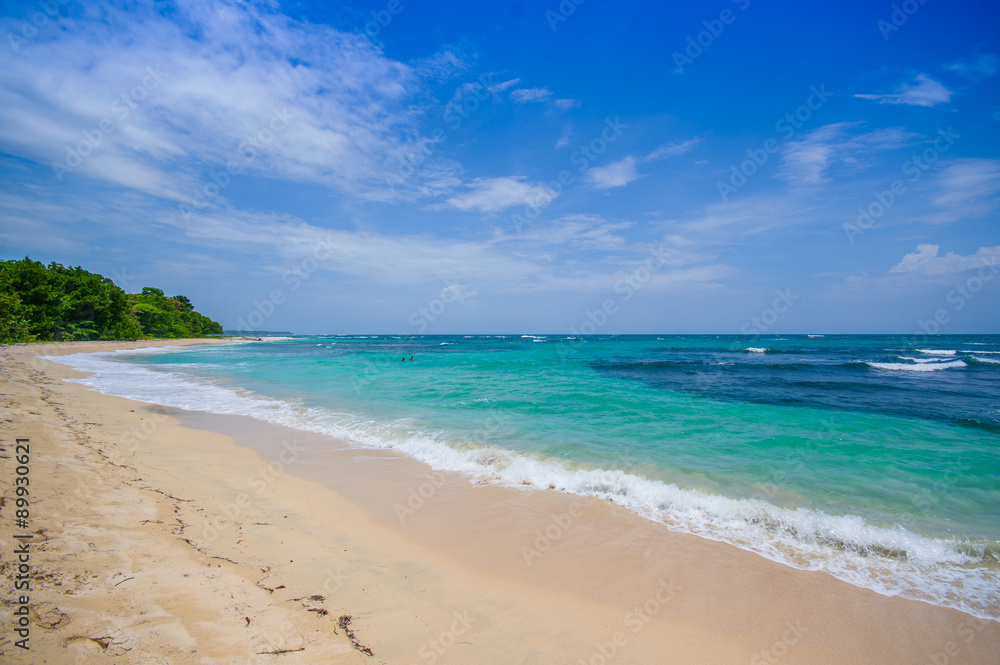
{"x": 161, "y": 536}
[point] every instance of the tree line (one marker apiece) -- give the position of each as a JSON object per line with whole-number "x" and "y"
{"x": 40, "y": 303}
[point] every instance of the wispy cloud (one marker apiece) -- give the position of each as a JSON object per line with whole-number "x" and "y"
{"x": 442, "y": 65}
{"x": 582, "y": 230}
{"x": 672, "y": 150}
{"x": 527, "y": 95}
{"x": 220, "y": 78}
{"x": 925, "y": 91}
{"x": 625, "y": 171}
{"x": 500, "y": 87}
{"x": 566, "y": 104}
{"x": 385, "y": 259}
{"x": 750, "y": 216}
{"x": 808, "y": 161}
{"x": 492, "y": 195}
{"x": 565, "y": 137}
{"x": 985, "y": 65}
{"x": 966, "y": 188}
{"x": 926, "y": 261}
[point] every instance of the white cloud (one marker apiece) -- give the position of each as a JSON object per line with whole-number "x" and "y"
{"x": 500, "y": 87}
{"x": 925, "y": 261}
{"x": 624, "y": 171}
{"x": 966, "y": 188}
{"x": 985, "y": 65}
{"x": 672, "y": 150}
{"x": 808, "y": 160}
{"x": 582, "y": 230}
{"x": 924, "y": 92}
{"x": 491, "y": 195}
{"x": 565, "y": 138}
{"x": 221, "y": 76}
{"x": 384, "y": 259}
{"x": 441, "y": 66}
{"x": 752, "y": 215}
{"x": 566, "y": 104}
{"x": 617, "y": 174}
{"x": 475, "y": 88}
{"x": 526, "y": 95}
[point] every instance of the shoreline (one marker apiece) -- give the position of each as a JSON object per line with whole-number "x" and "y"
{"x": 604, "y": 580}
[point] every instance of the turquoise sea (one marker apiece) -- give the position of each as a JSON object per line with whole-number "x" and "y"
{"x": 873, "y": 458}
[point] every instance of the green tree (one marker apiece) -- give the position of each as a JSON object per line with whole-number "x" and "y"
{"x": 172, "y": 318}
{"x": 55, "y": 302}
{"x": 13, "y": 325}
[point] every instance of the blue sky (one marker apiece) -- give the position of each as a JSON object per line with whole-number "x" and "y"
{"x": 415, "y": 166}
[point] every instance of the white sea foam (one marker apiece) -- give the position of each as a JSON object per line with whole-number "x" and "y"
{"x": 756, "y": 349}
{"x": 815, "y": 335}
{"x": 936, "y": 570}
{"x": 923, "y": 360}
{"x": 991, "y": 361}
{"x": 919, "y": 367}
{"x": 938, "y": 352}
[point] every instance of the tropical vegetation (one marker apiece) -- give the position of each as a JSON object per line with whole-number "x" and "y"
{"x": 40, "y": 303}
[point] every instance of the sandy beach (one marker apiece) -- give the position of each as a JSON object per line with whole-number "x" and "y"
{"x": 161, "y": 536}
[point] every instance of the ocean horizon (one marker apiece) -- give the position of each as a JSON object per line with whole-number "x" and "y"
{"x": 873, "y": 458}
